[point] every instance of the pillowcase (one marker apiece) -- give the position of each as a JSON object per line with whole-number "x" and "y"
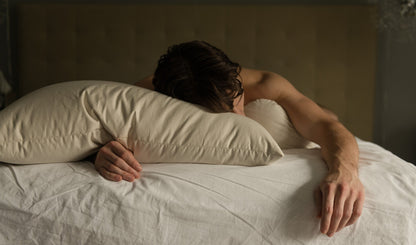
{"x": 69, "y": 121}
{"x": 275, "y": 120}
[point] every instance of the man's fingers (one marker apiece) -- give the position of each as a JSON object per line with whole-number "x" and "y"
{"x": 342, "y": 200}
{"x": 113, "y": 167}
{"x": 110, "y": 176}
{"x": 114, "y": 159}
{"x": 126, "y": 155}
{"x": 328, "y": 191}
{"x": 318, "y": 201}
{"x": 357, "y": 210}
{"x": 341, "y": 195}
{"x": 348, "y": 210}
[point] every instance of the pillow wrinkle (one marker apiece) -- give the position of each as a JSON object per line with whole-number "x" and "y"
{"x": 86, "y": 105}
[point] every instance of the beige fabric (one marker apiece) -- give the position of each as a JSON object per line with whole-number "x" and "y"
{"x": 68, "y": 121}
{"x": 275, "y": 120}
{"x": 327, "y": 52}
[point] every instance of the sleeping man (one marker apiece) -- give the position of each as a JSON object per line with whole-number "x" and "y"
{"x": 202, "y": 74}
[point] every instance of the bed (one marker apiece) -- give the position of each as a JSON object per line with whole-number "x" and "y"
{"x": 69, "y": 203}
{"x": 177, "y": 203}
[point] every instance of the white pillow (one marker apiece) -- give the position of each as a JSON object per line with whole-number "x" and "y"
{"x": 275, "y": 120}
{"x": 69, "y": 121}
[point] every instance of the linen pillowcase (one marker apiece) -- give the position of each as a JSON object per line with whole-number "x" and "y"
{"x": 275, "y": 120}
{"x": 69, "y": 121}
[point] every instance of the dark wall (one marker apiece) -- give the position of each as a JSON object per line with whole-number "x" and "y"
{"x": 395, "y": 127}
{"x": 4, "y": 50}
{"x": 4, "y": 47}
{"x": 6, "y": 65}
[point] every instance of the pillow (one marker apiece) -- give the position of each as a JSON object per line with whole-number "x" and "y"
{"x": 275, "y": 120}
{"x": 69, "y": 121}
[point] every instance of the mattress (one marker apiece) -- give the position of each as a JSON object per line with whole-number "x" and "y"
{"x": 70, "y": 203}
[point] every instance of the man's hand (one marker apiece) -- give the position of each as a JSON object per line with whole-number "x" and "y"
{"x": 115, "y": 162}
{"x": 339, "y": 199}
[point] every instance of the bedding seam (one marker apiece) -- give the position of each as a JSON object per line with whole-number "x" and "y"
{"x": 199, "y": 147}
{"x": 56, "y": 136}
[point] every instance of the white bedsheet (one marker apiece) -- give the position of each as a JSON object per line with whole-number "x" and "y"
{"x": 69, "y": 203}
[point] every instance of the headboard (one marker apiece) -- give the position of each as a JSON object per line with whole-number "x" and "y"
{"x": 327, "y": 52}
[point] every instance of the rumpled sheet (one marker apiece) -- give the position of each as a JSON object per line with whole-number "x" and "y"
{"x": 69, "y": 203}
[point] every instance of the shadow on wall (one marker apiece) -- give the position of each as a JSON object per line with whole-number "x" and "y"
{"x": 5, "y": 66}
{"x": 403, "y": 137}
{"x": 396, "y": 100}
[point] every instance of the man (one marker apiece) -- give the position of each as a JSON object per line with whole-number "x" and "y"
{"x": 199, "y": 73}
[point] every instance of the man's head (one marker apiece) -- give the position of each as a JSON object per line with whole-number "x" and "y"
{"x": 199, "y": 73}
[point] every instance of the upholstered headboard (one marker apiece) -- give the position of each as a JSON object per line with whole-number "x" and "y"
{"x": 327, "y": 52}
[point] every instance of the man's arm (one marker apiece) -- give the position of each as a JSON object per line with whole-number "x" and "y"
{"x": 341, "y": 195}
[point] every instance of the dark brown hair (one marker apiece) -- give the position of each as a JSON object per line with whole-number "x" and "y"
{"x": 199, "y": 73}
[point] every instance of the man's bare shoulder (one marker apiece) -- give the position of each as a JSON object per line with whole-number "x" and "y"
{"x": 146, "y": 83}
{"x": 259, "y": 84}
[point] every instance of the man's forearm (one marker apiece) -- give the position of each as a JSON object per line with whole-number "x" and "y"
{"x": 339, "y": 148}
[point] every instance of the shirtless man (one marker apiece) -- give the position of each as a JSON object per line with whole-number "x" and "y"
{"x": 199, "y": 73}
